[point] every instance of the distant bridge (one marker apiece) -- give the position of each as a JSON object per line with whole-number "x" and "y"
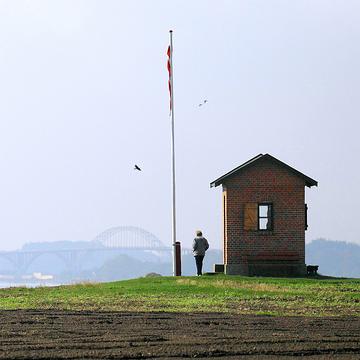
{"x": 116, "y": 240}
{"x": 129, "y": 237}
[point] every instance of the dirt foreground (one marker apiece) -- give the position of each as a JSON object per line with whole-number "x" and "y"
{"x": 27, "y": 334}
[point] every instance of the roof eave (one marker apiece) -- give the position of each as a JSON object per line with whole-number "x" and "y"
{"x": 214, "y": 184}
{"x": 311, "y": 182}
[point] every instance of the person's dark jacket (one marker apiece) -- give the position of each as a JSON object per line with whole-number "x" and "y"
{"x": 200, "y": 245}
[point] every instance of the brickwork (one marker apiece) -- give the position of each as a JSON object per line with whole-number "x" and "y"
{"x": 249, "y": 251}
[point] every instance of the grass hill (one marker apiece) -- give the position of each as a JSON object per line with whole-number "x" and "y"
{"x": 231, "y": 294}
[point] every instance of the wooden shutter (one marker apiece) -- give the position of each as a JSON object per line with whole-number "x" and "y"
{"x": 251, "y": 216}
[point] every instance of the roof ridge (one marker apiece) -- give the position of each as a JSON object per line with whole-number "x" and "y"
{"x": 308, "y": 181}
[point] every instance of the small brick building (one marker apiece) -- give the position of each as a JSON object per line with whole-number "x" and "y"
{"x": 264, "y": 218}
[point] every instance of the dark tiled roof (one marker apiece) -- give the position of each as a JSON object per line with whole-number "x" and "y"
{"x": 308, "y": 181}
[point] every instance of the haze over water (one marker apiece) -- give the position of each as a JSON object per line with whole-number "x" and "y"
{"x": 84, "y": 97}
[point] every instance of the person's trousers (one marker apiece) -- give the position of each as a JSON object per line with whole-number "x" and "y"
{"x": 199, "y": 263}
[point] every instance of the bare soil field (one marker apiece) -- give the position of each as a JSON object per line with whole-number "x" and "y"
{"x": 44, "y": 334}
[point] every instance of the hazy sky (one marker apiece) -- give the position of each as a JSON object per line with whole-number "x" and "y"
{"x": 83, "y": 89}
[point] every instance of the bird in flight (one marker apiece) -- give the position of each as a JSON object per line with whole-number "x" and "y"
{"x": 137, "y": 168}
{"x": 203, "y": 103}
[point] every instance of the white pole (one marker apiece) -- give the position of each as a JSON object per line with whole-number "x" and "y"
{"x": 173, "y": 156}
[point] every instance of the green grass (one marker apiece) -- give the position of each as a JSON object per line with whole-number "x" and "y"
{"x": 233, "y": 294}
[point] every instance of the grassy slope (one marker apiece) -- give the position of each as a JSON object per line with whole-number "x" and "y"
{"x": 276, "y": 296}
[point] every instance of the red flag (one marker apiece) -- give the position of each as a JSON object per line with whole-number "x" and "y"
{"x": 169, "y": 70}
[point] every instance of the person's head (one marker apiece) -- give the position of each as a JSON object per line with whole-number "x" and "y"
{"x": 198, "y": 233}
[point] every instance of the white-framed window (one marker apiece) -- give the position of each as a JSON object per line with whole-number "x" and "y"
{"x": 265, "y": 216}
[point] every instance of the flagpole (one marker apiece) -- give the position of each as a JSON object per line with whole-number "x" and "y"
{"x": 173, "y": 156}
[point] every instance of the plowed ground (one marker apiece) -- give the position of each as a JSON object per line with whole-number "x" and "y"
{"x": 27, "y": 334}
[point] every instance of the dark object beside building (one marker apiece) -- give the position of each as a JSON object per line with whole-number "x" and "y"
{"x": 312, "y": 269}
{"x": 219, "y": 268}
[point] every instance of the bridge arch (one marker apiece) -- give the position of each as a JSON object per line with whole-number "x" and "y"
{"x": 22, "y": 260}
{"x": 130, "y": 237}
{"x": 10, "y": 259}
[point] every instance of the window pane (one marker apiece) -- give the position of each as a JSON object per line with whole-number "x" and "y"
{"x": 264, "y": 224}
{"x": 264, "y": 210}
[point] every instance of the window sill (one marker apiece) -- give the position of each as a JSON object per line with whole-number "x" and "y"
{"x": 266, "y": 232}
{"x": 262, "y": 232}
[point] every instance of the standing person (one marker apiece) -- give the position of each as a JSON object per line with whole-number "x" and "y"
{"x": 200, "y": 245}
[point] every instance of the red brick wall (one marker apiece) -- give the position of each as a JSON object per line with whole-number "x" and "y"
{"x": 264, "y": 181}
